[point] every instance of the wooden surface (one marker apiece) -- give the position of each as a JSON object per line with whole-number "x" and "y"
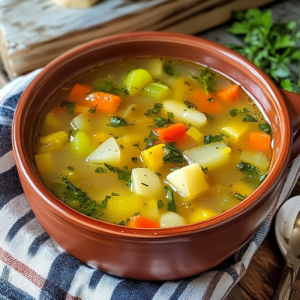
{"x": 263, "y": 274}
{"x": 46, "y": 30}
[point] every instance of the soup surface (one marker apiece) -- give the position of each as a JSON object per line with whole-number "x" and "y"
{"x": 152, "y": 142}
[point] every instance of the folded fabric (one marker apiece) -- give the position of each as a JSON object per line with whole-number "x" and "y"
{"x": 33, "y": 266}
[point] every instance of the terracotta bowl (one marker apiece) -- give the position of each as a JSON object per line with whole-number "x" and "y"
{"x": 155, "y": 254}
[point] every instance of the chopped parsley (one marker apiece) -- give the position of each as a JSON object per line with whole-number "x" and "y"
{"x": 115, "y": 194}
{"x": 190, "y": 105}
{"x": 93, "y": 109}
{"x": 137, "y": 214}
{"x": 234, "y": 112}
{"x": 240, "y": 197}
{"x": 70, "y": 106}
{"x": 211, "y": 99}
{"x": 172, "y": 154}
{"x": 132, "y": 108}
{"x": 170, "y": 199}
{"x": 170, "y": 115}
{"x": 266, "y": 128}
{"x": 248, "y": 118}
{"x": 100, "y": 170}
{"x": 162, "y": 122}
{"x": 122, "y": 175}
{"x": 208, "y": 139}
{"x": 122, "y": 223}
{"x": 252, "y": 173}
{"x": 160, "y": 204}
{"x": 151, "y": 139}
{"x": 134, "y": 159}
{"x": 70, "y": 168}
{"x": 155, "y": 110}
{"x": 205, "y": 79}
{"x": 103, "y": 204}
{"x": 205, "y": 170}
{"x": 71, "y": 133}
{"x": 169, "y": 70}
{"x": 117, "y": 122}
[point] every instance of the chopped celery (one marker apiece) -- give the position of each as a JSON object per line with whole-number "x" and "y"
{"x": 256, "y": 159}
{"x": 81, "y": 144}
{"x": 136, "y": 80}
{"x": 157, "y": 90}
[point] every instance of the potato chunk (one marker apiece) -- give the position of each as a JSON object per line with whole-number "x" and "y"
{"x": 188, "y": 181}
{"x": 81, "y": 122}
{"x": 108, "y": 152}
{"x": 256, "y": 159}
{"x": 184, "y": 114}
{"x": 171, "y": 219}
{"x": 145, "y": 182}
{"x": 208, "y": 156}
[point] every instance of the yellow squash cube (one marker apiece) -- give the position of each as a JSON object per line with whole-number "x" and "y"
{"x": 44, "y": 163}
{"x": 195, "y": 134}
{"x": 153, "y": 157}
{"x": 53, "y": 141}
{"x": 201, "y": 214}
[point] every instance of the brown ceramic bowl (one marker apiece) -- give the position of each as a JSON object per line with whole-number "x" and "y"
{"x": 154, "y": 254}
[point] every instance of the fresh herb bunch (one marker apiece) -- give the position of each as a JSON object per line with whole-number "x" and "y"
{"x": 274, "y": 48}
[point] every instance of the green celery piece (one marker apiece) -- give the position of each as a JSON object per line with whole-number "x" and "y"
{"x": 156, "y": 90}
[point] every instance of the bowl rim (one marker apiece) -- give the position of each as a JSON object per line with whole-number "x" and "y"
{"x": 100, "y": 226}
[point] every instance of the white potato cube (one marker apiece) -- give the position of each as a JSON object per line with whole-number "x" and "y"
{"x": 145, "y": 182}
{"x": 208, "y": 156}
{"x": 81, "y": 122}
{"x": 171, "y": 219}
{"x": 256, "y": 159}
{"x": 108, "y": 152}
{"x": 184, "y": 114}
{"x": 188, "y": 181}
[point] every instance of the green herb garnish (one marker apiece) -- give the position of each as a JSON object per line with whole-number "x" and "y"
{"x": 170, "y": 199}
{"x": 122, "y": 223}
{"x": 234, "y": 112}
{"x": 71, "y": 168}
{"x": 272, "y": 47}
{"x": 92, "y": 110}
{"x": 205, "y": 170}
{"x": 190, "y": 105}
{"x": 115, "y": 194}
{"x": 151, "y": 139}
{"x": 266, "y": 128}
{"x": 162, "y": 122}
{"x": 103, "y": 204}
{"x": 248, "y": 118}
{"x": 70, "y": 106}
{"x": 206, "y": 78}
{"x": 122, "y": 175}
{"x": 172, "y": 154}
{"x": 132, "y": 108}
{"x": 211, "y": 99}
{"x": 155, "y": 110}
{"x": 169, "y": 70}
{"x": 160, "y": 204}
{"x": 170, "y": 115}
{"x": 71, "y": 133}
{"x": 137, "y": 214}
{"x": 252, "y": 173}
{"x": 117, "y": 122}
{"x": 240, "y": 197}
{"x": 134, "y": 159}
{"x": 208, "y": 139}
{"x": 100, "y": 170}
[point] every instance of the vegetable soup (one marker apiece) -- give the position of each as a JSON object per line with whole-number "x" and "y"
{"x": 151, "y": 143}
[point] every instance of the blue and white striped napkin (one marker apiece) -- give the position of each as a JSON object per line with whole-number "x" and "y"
{"x": 33, "y": 266}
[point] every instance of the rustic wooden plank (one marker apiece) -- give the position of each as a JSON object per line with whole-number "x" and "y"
{"x": 239, "y": 293}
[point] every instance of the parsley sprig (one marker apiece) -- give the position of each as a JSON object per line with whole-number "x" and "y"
{"x": 272, "y": 47}
{"x": 252, "y": 173}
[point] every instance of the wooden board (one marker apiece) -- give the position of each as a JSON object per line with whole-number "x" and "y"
{"x": 47, "y": 30}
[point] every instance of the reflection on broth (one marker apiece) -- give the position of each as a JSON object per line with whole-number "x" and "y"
{"x": 152, "y": 142}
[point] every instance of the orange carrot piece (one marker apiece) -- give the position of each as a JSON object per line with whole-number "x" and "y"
{"x": 229, "y": 94}
{"x": 142, "y": 222}
{"x": 107, "y": 103}
{"x": 205, "y": 103}
{"x": 172, "y": 133}
{"x": 79, "y": 92}
{"x": 59, "y": 110}
{"x": 259, "y": 141}
{"x": 80, "y": 109}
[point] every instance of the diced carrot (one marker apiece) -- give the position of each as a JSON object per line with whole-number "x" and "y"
{"x": 209, "y": 104}
{"x": 59, "y": 110}
{"x": 259, "y": 141}
{"x": 107, "y": 103}
{"x": 80, "y": 109}
{"x": 172, "y": 133}
{"x": 79, "y": 92}
{"x": 142, "y": 222}
{"x": 229, "y": 94}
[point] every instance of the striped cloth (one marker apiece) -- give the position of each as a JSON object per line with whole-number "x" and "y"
{"x": 33, "y": 266}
